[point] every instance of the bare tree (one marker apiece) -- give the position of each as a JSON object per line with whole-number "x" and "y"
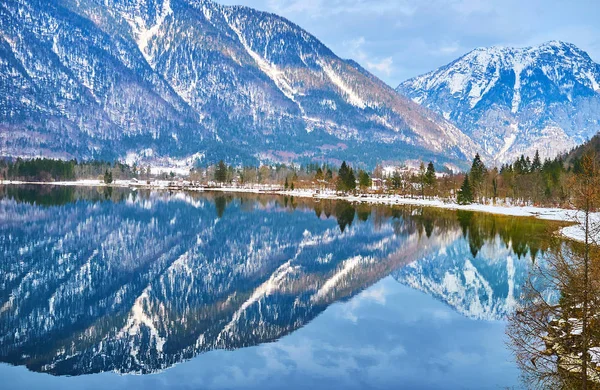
{"x": 555, "y": 333}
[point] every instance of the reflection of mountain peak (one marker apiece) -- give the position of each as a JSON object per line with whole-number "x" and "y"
{"x": 478, "y": 287}
{"x": 139, "y": 285}
{"x": 142, "y": 282}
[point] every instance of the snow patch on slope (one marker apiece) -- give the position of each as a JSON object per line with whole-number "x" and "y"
{"x": 517, "y": 68}
{"x": 144, "y": 34}
{"x": 351, "y": 96}
{"x": 278, "y": 76}
{"x": 137, "y": 319}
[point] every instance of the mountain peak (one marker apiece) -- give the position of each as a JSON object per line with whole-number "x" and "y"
{"x": 516, "y": 100}
{"x": 180, "y": 78}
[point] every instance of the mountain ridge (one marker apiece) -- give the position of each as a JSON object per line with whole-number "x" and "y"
{"x": 184, "y": 77}
{"x": 513, "y": 101}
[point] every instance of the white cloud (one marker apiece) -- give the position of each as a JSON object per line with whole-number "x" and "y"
{"x": 355, "y": 47}
{"x": 383, "y": 66}
{"x": 380, "y": 66}
{"x": 447, "y": 48}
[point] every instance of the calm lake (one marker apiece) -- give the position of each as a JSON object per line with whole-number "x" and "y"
{"x": 219, "y": 291}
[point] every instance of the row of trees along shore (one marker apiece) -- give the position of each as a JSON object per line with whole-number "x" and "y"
{"x": 525, "y": 181}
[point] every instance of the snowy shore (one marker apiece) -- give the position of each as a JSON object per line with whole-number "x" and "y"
{"x": 574, "y": 231}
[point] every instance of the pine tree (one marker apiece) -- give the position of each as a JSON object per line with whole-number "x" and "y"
{"x": 465, "y": 195}
{"x": 536, "y": 165}
{"x": 430, "y": 178}
{"x": 342, "y": 175}
{"x": 286, "y": 185}
{"x": 477, "y": 177}
{"x": 346, "y": 178}
{"x": 221, "y": 172}
{"x": 329, "y": 175}
{"x": 364, "y": 181}
{"x": 351, "y": 180}
{"x": 319, "y": 174}
{"x": 108, "y": 178}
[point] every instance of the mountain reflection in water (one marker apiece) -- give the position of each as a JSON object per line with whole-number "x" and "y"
{"x": 134, "y": 282}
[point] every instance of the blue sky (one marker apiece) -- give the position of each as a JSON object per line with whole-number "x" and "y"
{"x": 399, "y": 39}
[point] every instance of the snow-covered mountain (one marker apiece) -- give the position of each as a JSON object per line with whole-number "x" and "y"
{"x": 516, "y": 100}
{"x": 111, "y": 78}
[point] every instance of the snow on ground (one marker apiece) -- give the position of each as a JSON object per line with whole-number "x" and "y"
{"x": 161, "y": 165}
{"x": 574, "y": 232}
{"x": 577, "y": 231}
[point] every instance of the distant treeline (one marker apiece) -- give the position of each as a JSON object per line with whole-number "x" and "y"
{"x": 525, "y": 181}
{"x": 40, "y": 169}
{"x": 48, "y": 170}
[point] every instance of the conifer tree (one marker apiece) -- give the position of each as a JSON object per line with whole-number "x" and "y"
{"x": 108, "y": 178}
{"x": 536, "y": 165}
{"x": 221, "y": 172}
{"x": 430, "y": 178}
{"x": 477, "y": 177}
{"x": 364, "y": 181}
{"x": 465, "y": 195}
{"x": 346, "y": 178}
{"x": 319, "y": 174}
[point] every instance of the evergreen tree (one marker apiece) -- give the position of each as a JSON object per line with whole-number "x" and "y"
{"x": 465, "y": 195}
{"x": 329, "y": 175}
{"x": 430, "y": 178}
{"x": 319, "y": 175}
{"x": 286, "y": 185}
{"x": 536, "y": 165}
{"x": 477, "y": 177}
{"x": 342, "y": 175}
{"x": 346, "y": 178}
{"x": 351, "y": 180}
{"x": 364, "y": 181}
{"x": 108, "y": 177}
{"x": 221, "y": 172}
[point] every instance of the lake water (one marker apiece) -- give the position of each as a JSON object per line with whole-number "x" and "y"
{"x": 214, "y": 291}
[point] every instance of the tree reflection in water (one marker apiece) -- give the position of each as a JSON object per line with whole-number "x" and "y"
{"x": 552, "y": 334}
{"x": 556, "y": 337}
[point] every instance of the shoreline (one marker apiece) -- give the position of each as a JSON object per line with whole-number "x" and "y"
{"x": 574, "y": 232}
